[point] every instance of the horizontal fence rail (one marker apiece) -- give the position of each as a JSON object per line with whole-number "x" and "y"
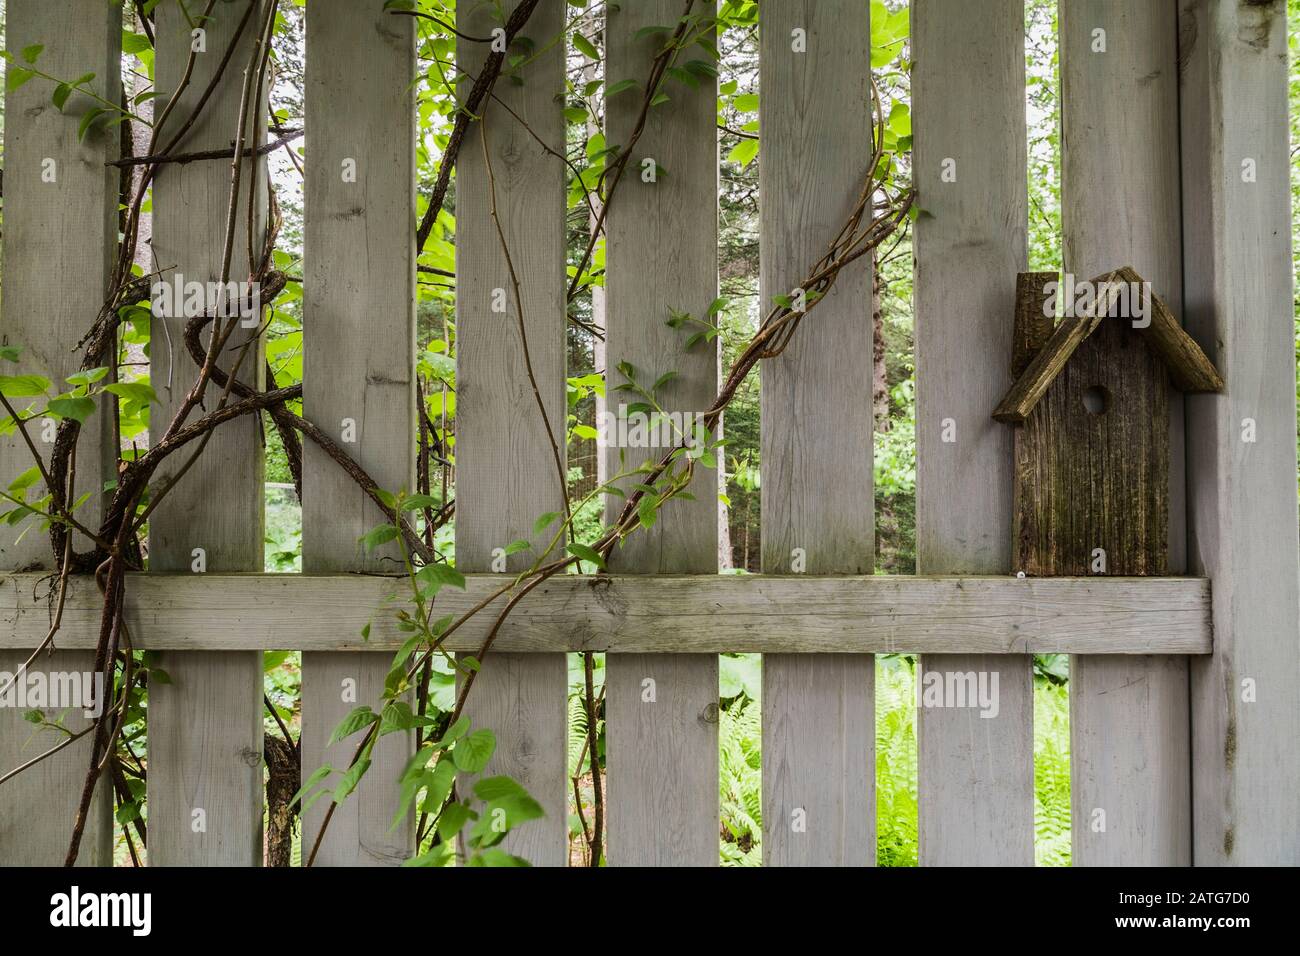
{"x": 644, "y": 614}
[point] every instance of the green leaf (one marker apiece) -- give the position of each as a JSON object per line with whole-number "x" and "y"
{"x": 17, "y": 76}
{"x": 453, "y": 818}
{"x": 435, "y": 576}
{"x": 439, "y": 855}
{"x": 10, "y": 353}
{"x": 30, "y": 53}
{"x": 585, "y": 46}
{"x": 543, "y": 522}
{"x": 21, "y": 386}
{"x": 25, "y": 480}
{"x": 438, "y": 786}
{"x": 361, "y": 716}
{"x": 645, "y": 509}
{"x": 133, "y": 43}
{"x": 78, "y": 409}
{"x": 420, "y": 502}
{"x": 473, "y": 751}
{"x": 88, "y": 377}
{"x": 586, "y": 553}
{"x": 141, "y": 392}
{"x": 495, "y": 856}
{"x": 378, "y": 536}
{"x": 496, "y": 788}
{"x": 454, "y": 733}
{"x": 744, "y": 152}
{"x": 503, "y": 815}
{"x": 514, "y": 547}
{"x": 622, "y": 86}
{"x": 316, "y": 777}
{"x": 88, "y": 120}
{"x": 351, "y": 777}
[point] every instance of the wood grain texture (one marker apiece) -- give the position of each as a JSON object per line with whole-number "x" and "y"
{"x": 1088, "y": 479}
{"x": 1033, "y": 325}
{"x": 1044, "y": 367}
{"x": 1242, "y": 501}
{"x": 58, "y": 240}
{"x": 1120, "y": 204}
{"x": 643, "y": 614}
{"x": 661, "y": 254}
{"x": 975, "y": 774}
{"x": 358, "y": 367}
{"x": 205, "y": 727}
{"x": 505, "y": 468}
{"x": 1187, "y": 367}
{"x": 1190, "y": 369}
{"x": 1121, "y": 715}
{"x": 818, "y": 711}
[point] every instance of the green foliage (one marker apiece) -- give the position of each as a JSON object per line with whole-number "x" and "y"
{"x": 1051, "y": 773}
{"x": 896, "y": 800}
{"x": 740, "y": 789}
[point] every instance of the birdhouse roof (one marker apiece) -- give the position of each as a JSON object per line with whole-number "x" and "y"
{"x": 1190, "y": 370}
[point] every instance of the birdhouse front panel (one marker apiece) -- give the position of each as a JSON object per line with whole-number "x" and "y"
{"x": 1092, "y": 463}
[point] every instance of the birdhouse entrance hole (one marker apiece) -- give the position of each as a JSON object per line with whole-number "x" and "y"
{"x": 1096, "y": 400}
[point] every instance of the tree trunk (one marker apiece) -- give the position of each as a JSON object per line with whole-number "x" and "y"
{"x": 879, "y": 385}
{"x": 283, "y": 780}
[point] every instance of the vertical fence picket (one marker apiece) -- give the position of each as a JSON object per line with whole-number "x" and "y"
{"x": 205, "y": 726}
{"x": 505, "y": 466}
{"x": 968, "y": 95}
{"x": 1241, "y": 492}
{"x": 662, "y": 254}
{"x": 1119, "y": 206}
{"x": 59, "y": 237}
{"x": 358, "y": 363}
{"x": 818, "y": 510}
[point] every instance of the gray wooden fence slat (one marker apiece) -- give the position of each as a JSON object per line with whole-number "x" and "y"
{"x": 968, "y": 108}
{"x": 1242, "y": 500}
{"x": 1119, "y": 206}
{"x": 818, "y": 711}
{"x": 505, "y": 468}
{"x": 662, "y": 254}
{"x": 639, "y": 613}
{"x": 63, "y": 228}
{"x": 358, "y": 363}
{"x": 205, "y": 727}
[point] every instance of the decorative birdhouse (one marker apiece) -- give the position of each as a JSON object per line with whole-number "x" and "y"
{"x": 1090, "y": 408}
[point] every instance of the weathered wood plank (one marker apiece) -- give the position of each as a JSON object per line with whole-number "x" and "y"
{"x": 975, "y": 774}
{"x": 59, "y": 236}
{"x": 1120, "y": 205}
{"x": 358, "y": 363}
{"x": 205, "y": 727}
{"x": 644, "y": 614}
{"x": 505, "y": 466}
{"x": 1095, "y": 476}
{"x": 1190, "y": 369}
{"x": 818, "y": 712}
{"x": 1120, "y": 294}
{"x": 1033, "y": 326}
{"x": 1242, "y": 500}
{"x": 661, "y": 254}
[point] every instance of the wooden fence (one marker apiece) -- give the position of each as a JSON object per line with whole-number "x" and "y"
{"x": 1184, "y": 765}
